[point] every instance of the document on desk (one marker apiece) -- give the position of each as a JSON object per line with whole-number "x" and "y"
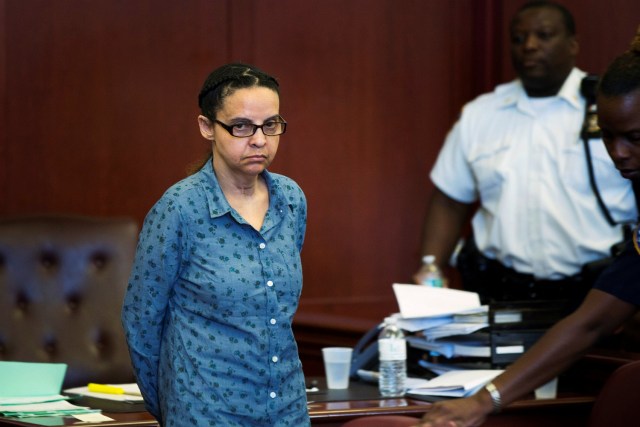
{"x": 33, "y": 390}
{"x": 452, "y": 329}
{"x": 425, "y": 301}
{"x": 471, "y": 345}
{"x": 451, "y": 324}
{"x": 130, "y": 393}
{"x": 456, "y": 383}
{"x": 57, "y": 408}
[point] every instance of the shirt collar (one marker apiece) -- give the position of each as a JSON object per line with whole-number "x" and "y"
{"x": 219, "y": 206}
{"x": 514, "y": 95}
{"x": 216, "y": 201}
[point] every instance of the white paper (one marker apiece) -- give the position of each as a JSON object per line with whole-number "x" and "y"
{"x": 412, "y": 382}
{"x": 457, "y": 383}
{"x": 460, "y": 345}
{"x": 422, "y": 323}
{"x": 94, "y": 417}
{"x": 452, "y": 329}
{"x": 439, "y": 368}
{"x": 426, "y": 301}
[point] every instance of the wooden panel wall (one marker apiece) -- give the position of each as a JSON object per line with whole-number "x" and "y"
{"x": 605, "y": 29}
{"x": 98, "y": 111}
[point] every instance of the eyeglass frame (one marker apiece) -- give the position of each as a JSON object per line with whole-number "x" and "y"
{"x": 229, "y": 128}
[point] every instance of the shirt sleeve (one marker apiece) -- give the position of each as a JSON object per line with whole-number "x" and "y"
{"x": 622, "y": 278}
{"x": 301, "y": 221}
{"x": 155, "y": 269}
{"x": 452, "y": 173}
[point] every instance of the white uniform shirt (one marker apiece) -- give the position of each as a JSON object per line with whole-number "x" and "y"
{"x": 525, "y": 162}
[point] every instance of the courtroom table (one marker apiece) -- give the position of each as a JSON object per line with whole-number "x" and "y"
{"x": 578, "y": 388}
{"x": 332, "y": 408}
{"x": 325, "y": 322}
{"x": 121, "y": 419}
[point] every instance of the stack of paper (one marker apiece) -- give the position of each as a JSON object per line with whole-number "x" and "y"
{"x": 448, "y": 320}
{"x": 44, "y": 409}
{"x": 424, "y": 301}
{"x": 456, "y": 383}
{"x": 33, "y": 389}
{"x": 470, "y": 345}
{"x": 452, "y": 324}
{"x": 452, "y": 329}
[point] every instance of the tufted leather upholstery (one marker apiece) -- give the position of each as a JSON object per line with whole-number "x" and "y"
{"x": 62, "y": 282}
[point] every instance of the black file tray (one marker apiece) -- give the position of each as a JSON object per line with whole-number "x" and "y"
{"x": 510, "y": 315}
{"x": 508, "y": 345}
{"x": 514, "y": 326}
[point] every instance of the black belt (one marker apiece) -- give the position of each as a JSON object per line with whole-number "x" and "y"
{"x": 512, "y": 285}
{"x": 495, "y": 282}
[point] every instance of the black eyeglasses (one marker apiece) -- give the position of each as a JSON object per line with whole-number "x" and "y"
{"x": 243, "y": 130}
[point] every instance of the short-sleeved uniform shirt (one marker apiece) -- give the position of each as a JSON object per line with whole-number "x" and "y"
{"x": 209, "y": 308}
{"x": 523, "y": 159}
{"x": 622, "y": 278}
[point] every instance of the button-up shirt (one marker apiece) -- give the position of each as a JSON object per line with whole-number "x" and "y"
{"x": 209, "y": 307}
{"x": 527, "y": 167}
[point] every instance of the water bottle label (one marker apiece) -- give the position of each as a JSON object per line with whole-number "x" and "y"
{"x": 392, "y": 349}
{"x": 435, "y": 282}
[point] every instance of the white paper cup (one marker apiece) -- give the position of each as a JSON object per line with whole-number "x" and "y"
{"x": 337, "y": 363}
{"x": 548, "y": 390}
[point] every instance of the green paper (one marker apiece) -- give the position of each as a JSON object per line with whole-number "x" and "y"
{"x": 19, "y": 379}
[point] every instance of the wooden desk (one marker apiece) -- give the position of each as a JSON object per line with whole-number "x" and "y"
{"x": 332, "y": 408}
{"x": 121, "y": 419}
{"x": 315, "y": 329}
{"x": 335, "y": 407}
{"x": 566, "y": 411}
{"x": 322, "y": 323}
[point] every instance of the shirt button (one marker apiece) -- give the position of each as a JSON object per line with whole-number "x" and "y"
{"x": 262, "y": 246}
{"x": 269, "y": 283}
{"x": 272, "y": 394}
{"x": 272, "y": 321}
{"x": 275, "y": 359}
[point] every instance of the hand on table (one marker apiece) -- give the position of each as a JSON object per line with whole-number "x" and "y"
{"x": 467, "y": 412}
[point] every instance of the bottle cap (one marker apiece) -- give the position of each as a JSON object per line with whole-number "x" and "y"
{"x": 429, "y": 259}
{"x": 390, "y": 320}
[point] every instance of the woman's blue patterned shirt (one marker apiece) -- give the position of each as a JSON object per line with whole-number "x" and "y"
{"x": 209, "y": 306}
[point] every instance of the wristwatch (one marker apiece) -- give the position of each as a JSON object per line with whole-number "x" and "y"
{"x": 496, "y": 399}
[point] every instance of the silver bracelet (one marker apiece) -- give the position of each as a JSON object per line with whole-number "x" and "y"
{"x": 496, "y": 399}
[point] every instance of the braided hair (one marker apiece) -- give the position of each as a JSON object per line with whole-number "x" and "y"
{"x": 623, "y": 75}
{"x": 225, "y": 80}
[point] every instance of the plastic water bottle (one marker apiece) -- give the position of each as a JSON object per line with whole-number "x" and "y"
{"x": 433, "y": 275}
{"x": 392, "y": 349}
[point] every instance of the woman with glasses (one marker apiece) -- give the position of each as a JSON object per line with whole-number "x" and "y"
{"x": 217, "y": 275}
{"x": 615, "y": 296}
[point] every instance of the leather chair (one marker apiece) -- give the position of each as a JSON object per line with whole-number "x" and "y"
{"x": 62, "y": 282}
{"x": 616, "y": 404}
{"x": 382, "y": 421}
